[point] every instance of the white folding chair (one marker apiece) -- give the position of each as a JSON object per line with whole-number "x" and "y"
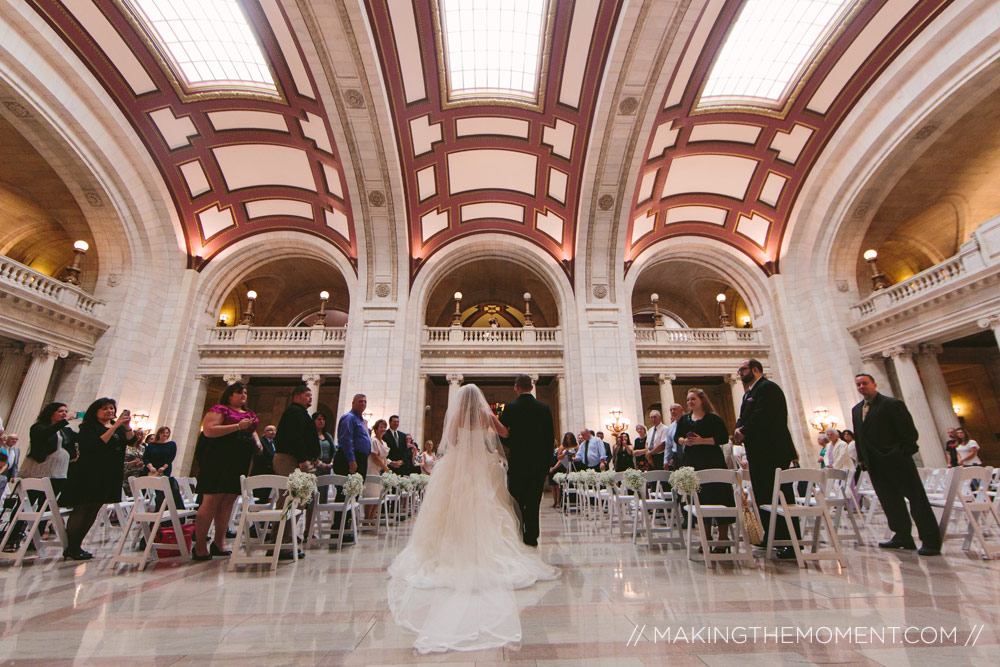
{"x": 700, "y": 517}
{"x": 370, "y": 499}
{"x": 979, "y": 509}
{"x": 33, "y": 516}
{"x": 655, "y": 499}
{"x": 838, "y": 498}
{"x": 147, "y": 515}
{"x": 814, "y": 507}
{"x": 187, "y": 488}
{"x": 253, "y": 547}
{"x": 321, "y": 529}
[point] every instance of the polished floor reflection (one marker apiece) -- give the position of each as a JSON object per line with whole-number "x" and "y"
{"x": 616, "y": 603}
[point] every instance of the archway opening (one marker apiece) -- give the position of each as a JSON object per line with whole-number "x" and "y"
{"x": 688, "y": 296}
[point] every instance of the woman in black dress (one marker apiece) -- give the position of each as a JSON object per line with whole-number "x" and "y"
{"x": 95, "y": 477}
{"x": 702, "y": 433}
{"x": 562, "y": 461}
{"x": 640, "y": 462}
{"x": 621, "y": 453}
{"x": 224, "y": 451}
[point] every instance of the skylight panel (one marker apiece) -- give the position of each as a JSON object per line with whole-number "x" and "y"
{"x": 493, "y": 48}
{"x": 768, "y": 47}
{"x": 210, "y": 42}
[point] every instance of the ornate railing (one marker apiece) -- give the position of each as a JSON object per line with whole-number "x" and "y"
{"x": 481, "y": 337}
{"x": 277, "y": 337}
{"x": 922, "y": 283}
{"x": 26, "y": 280}
{"x": 729, "y": 337}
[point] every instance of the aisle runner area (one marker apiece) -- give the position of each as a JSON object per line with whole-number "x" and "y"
{"x": 616, "y": 603}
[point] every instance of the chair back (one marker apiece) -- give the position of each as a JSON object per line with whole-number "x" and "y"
{"x": 144, "y": 493}
{"x": 813, "y": 477}
{"x": 276, "y": 484}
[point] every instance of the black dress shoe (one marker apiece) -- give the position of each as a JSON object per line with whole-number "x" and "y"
{"x": 925, "y": 550}
{"x": 287, "y": 555}
{"x": 76, "y": 554}
{"x": 195, "y": 556}
{"x": 896, "y": 543}
{"x": 214, "y": 550}
{"x": 231, "y": 534}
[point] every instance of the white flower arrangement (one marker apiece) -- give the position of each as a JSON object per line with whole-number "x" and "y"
{"x": 634, "y": 480}
{"x": 606, "y": 478}
{"x": 421, "y": 480}
{"x": 685, "y": 480}
{"x": 574, "y": 478}
{"x": 301, "y": 487}
{"x": 353, "y": 487}
{"x": 589, "y": 477}
{"x": 559, "y": 477}
{"x": 406, "y": 483}
{"x": 390, "y": 480}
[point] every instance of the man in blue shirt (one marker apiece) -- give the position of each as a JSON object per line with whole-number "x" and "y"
{"x": 591, "y": 451}
{"x": 354, "y": 444}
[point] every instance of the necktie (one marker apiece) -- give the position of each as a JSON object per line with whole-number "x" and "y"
{"x": 864, "y": 411}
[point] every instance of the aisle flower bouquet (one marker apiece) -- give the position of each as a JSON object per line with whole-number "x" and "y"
{"x": 390, "y": 480}
{"x": 589, "y": 477}
{"x": 634, "y": 480}
{"x": 606, "y": 478}
{"x": 559, "y": 478}
{"x": 353, "y": 487}
{"x": 407, "y": 483}
{"x": 421, "y": 480}
{"x": 302, "y": 488}
{"x": 685, "y": 480}
{"x": 574, "y": 478}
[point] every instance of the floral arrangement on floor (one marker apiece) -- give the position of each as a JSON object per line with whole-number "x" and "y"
{"x": 634, "y": 480}
{"x": 685, "y": 480}
{"x": 606, "y": 478}
{"x": 302, "y": 488}
{"x": 390, "y": 480}
{"x": 353, "y": 487}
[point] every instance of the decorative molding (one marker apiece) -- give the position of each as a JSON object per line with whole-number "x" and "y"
{"x": 600, "y": 291}
{"x": 628, "y": 106}
{"x": 382, "y": 290}
{"x": 354, "y": 99}
{"x": 17, "y": 109}
{"x": 606, "y": 202}
{"x": 94, "y": 198}
{"x": 376, "y": 198}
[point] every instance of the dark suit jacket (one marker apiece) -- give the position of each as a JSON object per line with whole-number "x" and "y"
{"x": 887, "y": 431}
{"x": 764, "y": 420}
{"x": 263, "y": 462}
{"x": 297, "y": 434}
{"x": 398, "y": 451}
{"x": 530, "y": 439}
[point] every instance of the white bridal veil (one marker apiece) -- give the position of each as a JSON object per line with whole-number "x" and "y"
{"x": 454, "y": 582}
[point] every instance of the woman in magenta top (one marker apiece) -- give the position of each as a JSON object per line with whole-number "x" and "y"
{"x": 225, "y": 450}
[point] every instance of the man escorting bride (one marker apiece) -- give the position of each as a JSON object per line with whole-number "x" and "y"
{"x": 453, "y": 584}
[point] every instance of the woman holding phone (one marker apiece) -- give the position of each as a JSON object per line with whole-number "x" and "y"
{"x": 95, "y": 476}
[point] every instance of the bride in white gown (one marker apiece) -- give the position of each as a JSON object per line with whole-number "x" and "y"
{"x": 454, "y": 582}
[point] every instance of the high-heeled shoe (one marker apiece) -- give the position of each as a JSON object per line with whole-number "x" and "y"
{"x": 195, "y": 556}
{"x": 76, "y": 554}
{"x": 214, "y": 550}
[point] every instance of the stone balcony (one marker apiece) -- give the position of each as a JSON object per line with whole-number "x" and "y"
{"x": 697, "y": 351}
{"x": 925, "y": 307}
{"x": 38, "y": 308}
{"x": 273, "y": 350}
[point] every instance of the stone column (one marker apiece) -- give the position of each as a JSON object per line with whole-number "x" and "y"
{"x": 11, "y": 370}
{"x": 33, "y": 389}
{"x": 875, "y": 366}
{"x": 991, "y": 322}
{"x": 313, "y": 381}
{"x": 418, "y": 428}
{"x": 937, "y": 389}
{"x": 563, "y": 417}
{"x": 233, "y": 378}
{"x": 932, "y": 447}
{"x": 736, "y": 387}
{"x": 534, "y": 383}
{"x": 454, "y": 382}
{"x": 666, "y": 381}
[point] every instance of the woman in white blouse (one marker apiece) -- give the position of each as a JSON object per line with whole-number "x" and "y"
{"x": 968, "y": 450}
{"x": 428, "y": 457}
{"x": 377, "y": 464}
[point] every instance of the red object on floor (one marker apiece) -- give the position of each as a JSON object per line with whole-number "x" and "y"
{"x": 166, "y": 535}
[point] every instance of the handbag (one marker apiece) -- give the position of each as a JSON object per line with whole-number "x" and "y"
{"x": 751, "y": 523}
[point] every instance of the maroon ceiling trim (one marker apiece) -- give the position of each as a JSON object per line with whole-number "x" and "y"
{"x": 684, "y": 119}
{"x": 552, "y": 110}
{"x": 292, "y": 108}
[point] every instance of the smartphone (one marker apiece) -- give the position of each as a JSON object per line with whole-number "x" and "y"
{"x": 79, "y": 415}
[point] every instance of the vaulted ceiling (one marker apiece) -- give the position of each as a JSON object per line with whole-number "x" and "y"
{"x": 241, "y": 162}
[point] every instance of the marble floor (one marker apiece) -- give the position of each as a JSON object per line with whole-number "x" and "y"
{"x": 616, "y": 603}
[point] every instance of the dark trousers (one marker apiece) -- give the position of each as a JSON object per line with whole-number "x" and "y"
{"x": 762, "y": 480}
{"x": 341, "y": 467}
{"x": 894, "y": 479}
{"x": 527, "y": 493}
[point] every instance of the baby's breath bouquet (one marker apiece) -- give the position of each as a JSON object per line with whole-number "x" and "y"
{"x": 406, "y": 483}
{"x": 354, "y": 485}
{"x": 589, "y": 477}
{"x": 575, "y": 477}
{"x": 390, "y": 480}
{"x": 634, "y": 479}
{"x": 606, "y": 478}
{"x": 302, "y": 487}
{"x": 422, "y": 480}
{"x": 685, "y": 480}
{"x": 559, "y": 477}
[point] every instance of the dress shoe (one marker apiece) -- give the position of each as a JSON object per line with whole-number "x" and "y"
{"x": 287, "y": 555}
{"x": 76, "y": 554}
{"x": 785, "y": 553}
{"x": 925, "y": 550}
{"x": 231, "y": 534}
{"x": 214, "y": 550}
{"x": 195, "y": 556}
{"x": 897, "y": 543}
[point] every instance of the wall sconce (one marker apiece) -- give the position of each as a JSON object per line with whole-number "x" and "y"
{"x": 223, "y": 320}
{"x": 527, "y": 310}
{"x": 724, "y": 322}
{"x": 140, "y": 420}
{"x": 654, "y": 298}
{"x": 368, "y": 416}
{"x": 822, "y": 420}
{"x": 72, "y": 273}
{"x": 456, "y": 320}
{"x": 879, "y": 279}
{"x": 247, "y": 318}
{"x": 746, "y": 321}
{"x": 957, "y": 409}
{"x": 617, "y": 424}
{"x": 321, "y": 317}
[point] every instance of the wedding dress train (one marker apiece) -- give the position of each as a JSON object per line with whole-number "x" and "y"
{"x": 453, "y": 584}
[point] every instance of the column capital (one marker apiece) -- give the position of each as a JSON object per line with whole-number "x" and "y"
{"x": 46, "y": 351}
{"x": 455, "y": 378}
{"x": 733, "y": 378}
{"x": 900, "y": 351}
{"x": 930, "y": 349}
{"x": 11, "y": 348}
{"x": 989, "y": 322}
{"x": 233, "y": 378}
{"x": 534, "y": 377}
{"x": 664, "y": 378}
{"x": 312, "y": 378}
{"x": 874, "y": 357}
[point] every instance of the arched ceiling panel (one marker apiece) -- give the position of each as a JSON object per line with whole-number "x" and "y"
{"x": 236, "y": 163}
{"x": 488, "y": 165}
{"x": 732, "y": 172}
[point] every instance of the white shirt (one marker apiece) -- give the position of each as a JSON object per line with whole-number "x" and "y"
{"x": 966, "y": 449}
{"x": 658, "y": 435}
